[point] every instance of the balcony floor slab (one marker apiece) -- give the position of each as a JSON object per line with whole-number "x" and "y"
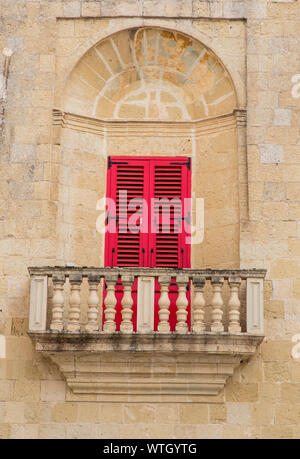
{"x": 120, "y": 366}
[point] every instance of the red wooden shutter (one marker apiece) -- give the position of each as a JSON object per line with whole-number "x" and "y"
{"x": 170, "y": 183}
{"x": 126, "y": 247}
{"x": 149, "y": 179}
{"x": 167, "y": 244}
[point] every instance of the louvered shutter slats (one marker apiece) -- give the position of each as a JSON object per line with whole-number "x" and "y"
{"x": 149, "y": 179}
{"x": 163, "y": 245}
{"x": 129, "y": 179}
{"x": 167, "y": 215}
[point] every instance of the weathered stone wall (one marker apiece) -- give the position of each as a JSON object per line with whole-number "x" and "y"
{"x": 50, "y": 184}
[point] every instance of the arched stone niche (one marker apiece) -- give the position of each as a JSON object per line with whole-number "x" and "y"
{"x": 149, "y": 91}
{"x": 149, "y": 74}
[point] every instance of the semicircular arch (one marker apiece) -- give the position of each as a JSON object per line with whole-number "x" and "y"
{"x": 149, "y": 73}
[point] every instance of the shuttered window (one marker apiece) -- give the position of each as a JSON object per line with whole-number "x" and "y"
{"x": 153, "y": 234}
{"x": 150, "y": 230}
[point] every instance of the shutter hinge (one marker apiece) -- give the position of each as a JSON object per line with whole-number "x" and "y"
{"x": 187, "y": 218}
{"x": 110, "y": 217}
{"x": 188, "y": 164}
{"x": 110, "y": 162}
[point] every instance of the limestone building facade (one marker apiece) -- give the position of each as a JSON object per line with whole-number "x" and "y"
{"x": 211, "y": 86}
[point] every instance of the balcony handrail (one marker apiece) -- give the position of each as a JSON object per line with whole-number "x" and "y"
{"x": 206, "y": 273}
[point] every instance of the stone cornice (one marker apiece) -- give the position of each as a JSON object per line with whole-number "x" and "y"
{"x": 136, "y": 128}
{"x": 149, "y": 16}
{"x": 208, "y": 342}
{"x": 104, "y": 271}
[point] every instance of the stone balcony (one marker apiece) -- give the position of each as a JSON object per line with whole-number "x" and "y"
{"x": 218, "y": 324}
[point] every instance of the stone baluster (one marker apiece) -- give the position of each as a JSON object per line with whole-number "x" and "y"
{"x": 127, "y": 303}
{"x": 198, "y": 309}
{"x": 110, "y": 302}
{"x": 164, "y": 304}
{"x": 93, "y": 303}
{"x": 217, "y": 305}
{"x": 182, "y": 304}
{"x": 234, "y": 305}
{"x": 75, "y": 301}
{"x": 58, "y": 301}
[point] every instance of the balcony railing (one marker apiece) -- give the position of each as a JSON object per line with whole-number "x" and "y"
{"x": 123, "y": 332}
{"x": 220, "y": 300}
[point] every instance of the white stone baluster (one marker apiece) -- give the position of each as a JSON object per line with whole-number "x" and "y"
{"x": 127, "y": 303}
{"x": 234, "y": 305}
{"x": 110, "y": 302}
{"x": 75, "y": 301}
{"x": 93, "y": 303}
{"x": 198, "y": 310}
{"x": 182, "y": 304}
{"x": 217, "y": 305}
{"x": 58, "y": 301}
{"x": 164, "y": 304}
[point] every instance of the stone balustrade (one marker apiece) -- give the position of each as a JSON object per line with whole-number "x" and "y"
{"x": 220, "y": 301}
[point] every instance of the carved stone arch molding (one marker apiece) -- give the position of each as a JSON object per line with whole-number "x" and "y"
{"x": 150, "y": 74}
{"x": 229, "y": 52}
